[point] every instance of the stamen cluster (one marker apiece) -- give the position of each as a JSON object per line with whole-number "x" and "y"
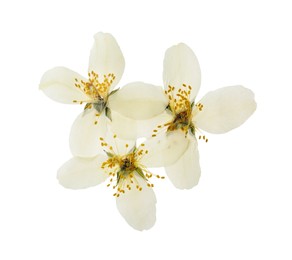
{"x": 126, "y": 170}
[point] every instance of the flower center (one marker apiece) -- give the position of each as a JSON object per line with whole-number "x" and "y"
{"x": 126, "y": 170}
{"x": 127, "y": 164}
{"x": 96, "y": 88}
{"x": 183, "y": 111}
{"x": 181, "y": 108}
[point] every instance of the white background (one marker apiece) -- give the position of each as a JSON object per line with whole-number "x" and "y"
{"x": 241, "y": 208}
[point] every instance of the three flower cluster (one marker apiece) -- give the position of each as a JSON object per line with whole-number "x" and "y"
{"x": 103, "y": 138}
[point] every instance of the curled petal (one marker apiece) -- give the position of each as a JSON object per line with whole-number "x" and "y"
{"x": 59, "y": 85}
{"x": 138, "y": 101}
{"x": 164, "y": 149}
{"x": 138, "y": 208}
{"x": 106, "y": 57}
{"x": 181, "y": 67}
{"x": 85, "y": 133}
{"x": 225, "y": 109}
{"x": 80, "y": 173}
{"x": 185, "y": 172}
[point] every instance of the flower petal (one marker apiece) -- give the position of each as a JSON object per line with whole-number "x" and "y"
{"x": 85, "y": 134}
{"x": 138, "y": 207}
{"x": 106, "y": 57}
{"x": 145, "y": 127}
{"x": 139, "y": 101}
{"x": 181, "y": 67}
{"x": 225, "y": 109}
{"x": 59, "y": 85}
{"x": 185, "y": 172}
{"x": 123, "y": 127}
{"x": 164, "y": 149}
{"x": 80, "y": 173}
{"x": 131, "y": 129}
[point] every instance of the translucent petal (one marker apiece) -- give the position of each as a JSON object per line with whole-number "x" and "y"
{"x": 139, "y": 101}
{"x": 85, "y": 134}
{"x": 164, "y": 149}
{"x": 225, "y": 109}
{"x": 127, "y": 128}
{"x": 59, "y": 85}
{"x": 124, "y": 127}
{"x": 138, "y": 208}
{"x": 80, "y": 173}
{"x": 106, "y": 57}
{"x": 181, "y": 67}
{"x": 145, "y": 127}
{"x": 185, "y": 172}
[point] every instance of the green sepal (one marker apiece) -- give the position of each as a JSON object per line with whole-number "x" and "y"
{"x": 140, "y": 172}
{"x": 113, "y": 92}
{"x": 99, "y": 106}
{"x": 118, "y": 177}
{"x": 192, "y": 129}
{"x": 109, "y": 154}
{"x": 168, "y": 108}
{"x": 192, "y": 104}
{"x": 108, "y": 113}
{"x": 133, "y": 150}
{"x": 87, "y": 106}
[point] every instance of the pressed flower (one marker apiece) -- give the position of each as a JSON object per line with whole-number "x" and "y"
{"x": 125, "y": 166}
{"x": 217, "y": 112}
{"x": 106, "y": 66}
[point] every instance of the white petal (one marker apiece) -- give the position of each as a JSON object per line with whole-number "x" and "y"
{"x": 181, "y": 67}
{"x": 145, "y": 127}
{"x": 85, "y": 134}
{"x": 164, "y": 149}
{"x": 138, "y": 207}
{"x": 131, "y": 129}
{"x": 185, "y": 172}
{"x": 59, "y": 85}
{"x": 123, "y": 127}
{"x": 139, "y": 101}
{"x": 225, "y": 109}
{"x": 80, "y": 173}
{"x": 106, "y": 57}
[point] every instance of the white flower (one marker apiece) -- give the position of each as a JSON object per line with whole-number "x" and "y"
{"x": 217, "y": 112}
{"x": 106, "y": 66}
{"x": 125, "y": 167}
